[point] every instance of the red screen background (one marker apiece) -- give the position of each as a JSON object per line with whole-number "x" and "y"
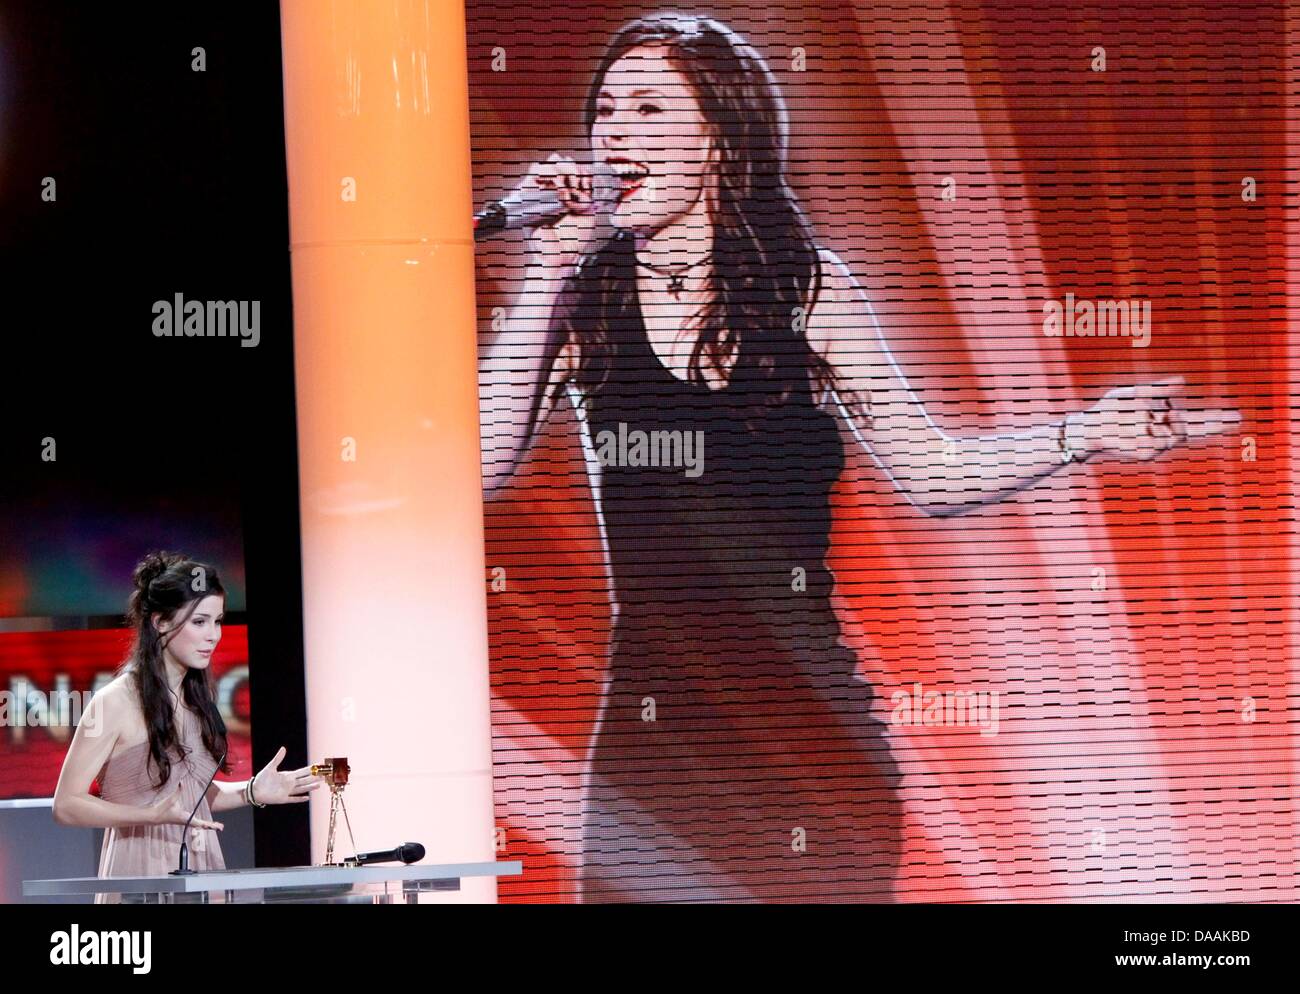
{"x": 1138, "y": 621}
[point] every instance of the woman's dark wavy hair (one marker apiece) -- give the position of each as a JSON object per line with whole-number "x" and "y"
{"x": 171, "y": 585}
{"x": 767, "y": 274}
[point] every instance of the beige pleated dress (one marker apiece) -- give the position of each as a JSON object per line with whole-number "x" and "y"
{"x": 154, "y": 850}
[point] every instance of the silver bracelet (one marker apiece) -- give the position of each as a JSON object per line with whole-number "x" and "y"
{"x": 1068, "y": 454}
{"x": 248, "y": 793}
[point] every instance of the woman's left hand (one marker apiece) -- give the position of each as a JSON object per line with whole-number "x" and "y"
{"x": 275, "y": 786}
{"x": 1142, "y": 421}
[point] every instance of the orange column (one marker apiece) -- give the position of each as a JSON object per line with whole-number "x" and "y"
{"x": 377, "y": 137}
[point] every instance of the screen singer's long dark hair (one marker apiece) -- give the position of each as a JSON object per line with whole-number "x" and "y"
{"x": 767, "y": 273}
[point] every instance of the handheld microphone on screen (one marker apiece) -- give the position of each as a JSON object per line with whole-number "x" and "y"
{"x": 528, "y": 206}
{"x": 183, "y": 868}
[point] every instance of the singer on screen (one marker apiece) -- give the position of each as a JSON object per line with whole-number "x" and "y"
{"x": 700, "y": 311}
{"x": 154, "y": 738}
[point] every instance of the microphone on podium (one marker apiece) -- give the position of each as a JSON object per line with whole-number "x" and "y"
{"x": 183, "y": 867}
{"x": 407, "y": 852}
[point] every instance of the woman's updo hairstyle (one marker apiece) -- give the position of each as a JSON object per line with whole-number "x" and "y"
{"x": 170, "y": 586}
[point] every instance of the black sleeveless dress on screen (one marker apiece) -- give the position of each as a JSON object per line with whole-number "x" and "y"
{"x": 734, "y": 756}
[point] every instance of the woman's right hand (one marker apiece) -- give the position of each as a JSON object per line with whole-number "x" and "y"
{"x": 170, "y": 809}
{"x": 563, "y": 242}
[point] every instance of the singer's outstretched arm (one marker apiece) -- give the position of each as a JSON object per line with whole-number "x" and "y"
{"x": 945, "y": 474}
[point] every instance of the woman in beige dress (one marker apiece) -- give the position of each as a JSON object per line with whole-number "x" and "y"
{"x": 154, "y": 736}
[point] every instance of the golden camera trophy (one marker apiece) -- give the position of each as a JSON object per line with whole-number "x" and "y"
{"x": 335, "y": 773}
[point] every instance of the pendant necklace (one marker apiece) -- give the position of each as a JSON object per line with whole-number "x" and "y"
{"x": 674, "y": 273}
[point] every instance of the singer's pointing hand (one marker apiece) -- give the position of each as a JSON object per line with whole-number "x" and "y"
{"x": 276, "y": 786}
{"x": 562, "y": 243}
{"x": 1139, "y": 422}
{"x": 171, "y": 809}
